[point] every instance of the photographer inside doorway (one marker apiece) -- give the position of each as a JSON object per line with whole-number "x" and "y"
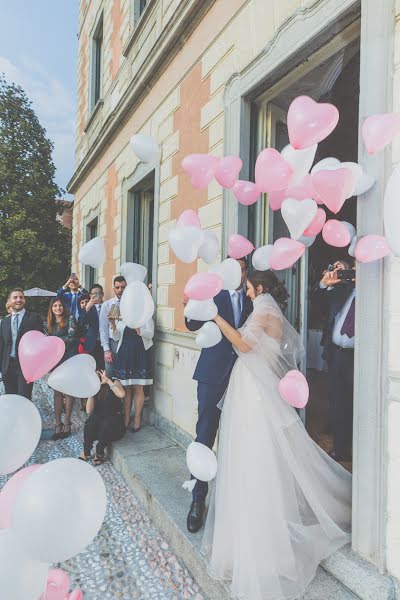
{"x": 336, "y": 293}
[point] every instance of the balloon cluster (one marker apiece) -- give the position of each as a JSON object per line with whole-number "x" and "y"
{"x": 48, "y": 513}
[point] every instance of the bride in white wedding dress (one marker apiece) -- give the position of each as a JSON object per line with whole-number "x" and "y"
{"x": 280, "y": 504}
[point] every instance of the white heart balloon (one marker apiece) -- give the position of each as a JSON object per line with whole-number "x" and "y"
{"x": 20, "y": 429}
{"x": 325, "y": 163}
{"x": 364, "y": 184}
{"x": 352, "y": 247}
{"x": 145, "y": 148}
{"x": 298, "y": 215}
{"x": 231, "y": 273}
{"x": 185, "y": 242}
{"x": 93, "y": 253}
{"x": 300, "y": 160}
{"x": 201, "y": 461}
{"x": 209, "y": 249}
{"x": 261, "y": 258}
{"x": 76, "y": 377}
{"x": 201, "y": 310}
{"x": 209, "y": 335}
{"x": 133, "y": 272}
{"x": 351, "y": 229}
{"x": 136, "y": 305}
{"x": 391, "y": 211}
{"x": 307, "y": 240}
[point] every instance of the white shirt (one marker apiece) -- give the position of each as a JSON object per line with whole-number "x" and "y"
{"x": 104, "y": 323}
{"x": 342, "y": 339}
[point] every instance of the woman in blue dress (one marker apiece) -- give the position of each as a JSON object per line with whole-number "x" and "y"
{"x": 133, "y": 366}
{"x": 64, "y": 326}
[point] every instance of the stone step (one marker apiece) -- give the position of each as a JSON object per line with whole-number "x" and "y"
{"x": 154, "y": 466}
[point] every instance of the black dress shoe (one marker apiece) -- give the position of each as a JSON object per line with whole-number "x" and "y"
{"x": 195, "y": 516}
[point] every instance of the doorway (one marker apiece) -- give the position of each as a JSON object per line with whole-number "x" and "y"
{"x": 140, "y": 216}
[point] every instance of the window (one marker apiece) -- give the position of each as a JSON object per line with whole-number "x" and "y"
{"x": 97, "y": 60}
{"x": 140, "y": 227}
{"x": 138, "y": 7}
{"x": 90, "y": 273}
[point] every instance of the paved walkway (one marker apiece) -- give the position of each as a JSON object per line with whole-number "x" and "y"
{"x": 129, "y": 559}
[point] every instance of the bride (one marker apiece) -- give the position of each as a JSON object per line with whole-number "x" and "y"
{"x": 280, "y": 504}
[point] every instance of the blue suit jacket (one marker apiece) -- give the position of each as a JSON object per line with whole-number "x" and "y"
{"x": 215, "y": 364}
{"x": 89, "y": 323}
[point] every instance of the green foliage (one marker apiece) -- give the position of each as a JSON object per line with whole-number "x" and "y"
{"x": 34, "y": 246}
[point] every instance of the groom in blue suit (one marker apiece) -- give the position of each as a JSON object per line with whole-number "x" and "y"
{"x": 212, "y": 375}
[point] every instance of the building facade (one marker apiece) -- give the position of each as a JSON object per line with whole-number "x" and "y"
{"x": 217, "y": 76}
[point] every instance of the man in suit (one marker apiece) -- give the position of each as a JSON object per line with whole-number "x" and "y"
{"x": 12, "y": 328}
{"x": 212, "y": 375}
{"x": 71, "y": 293}
{"x": 90, "y": 323}
{"x": 338, "y": 303}
{"x": 110, "y": 306}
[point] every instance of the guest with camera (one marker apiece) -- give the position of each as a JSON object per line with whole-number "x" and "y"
{"x": 70, "y": 293}
{"x": 337, "y": 292}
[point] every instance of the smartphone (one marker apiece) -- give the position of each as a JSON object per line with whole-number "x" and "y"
{"x": 346, "y": 274}
{"x": 73, "y": 275}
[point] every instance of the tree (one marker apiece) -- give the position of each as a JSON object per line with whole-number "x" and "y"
{"x": 34, "y": 247}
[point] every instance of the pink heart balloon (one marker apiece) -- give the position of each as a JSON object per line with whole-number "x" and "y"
{"x": 309, "y": 122}
{"x": 239, "y": 246}
{"x": 285, "y": 253}
{"x": 276, "y": 198}
{"x": 203, "y": 286}
{"x": 228, "y": 170}
{"x": 200, "y": 168}
{"x": 246, "y": 192}
{"x": 58, "y": 583}
{"x": 335, "y": 233}
{"x": 333, "y": 187}
{"x": 189, "y": 218}
{"x": 293, "y": 388}
{"x": 272, "y": 172}
{"x": 316, "y": 225}
{"x": 76, "y": 595}
{"x": 379, "y": 130}
{"x": 371, "y": 247}
{"x": 9, "y": 494}
{"x": 39, "y": 353}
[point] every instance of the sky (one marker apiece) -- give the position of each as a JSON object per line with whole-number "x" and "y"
{"x": 38, "y": 50}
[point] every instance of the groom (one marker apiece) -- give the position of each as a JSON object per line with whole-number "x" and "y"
{"x": 212, "y": 375}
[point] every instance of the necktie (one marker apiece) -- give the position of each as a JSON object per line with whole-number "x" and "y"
{"x": 14, "y": 331}
{"x": 348, "y": 325}
{"x": 237, "y": 309}
{"x": 74, "y": 305}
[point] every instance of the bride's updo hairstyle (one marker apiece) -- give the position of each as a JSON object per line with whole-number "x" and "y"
{"x": 270, "y": 285}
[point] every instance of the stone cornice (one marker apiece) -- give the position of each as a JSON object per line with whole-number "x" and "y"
{"x": 184, "y": 21}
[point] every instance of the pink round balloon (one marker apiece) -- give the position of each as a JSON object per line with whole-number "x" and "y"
{"x": 246, "y": 192}
{"x": 316, "y": 225}
{"x": 76, "y": 595}
{"x": 371, "y": 247}
{"x": 9, "y": 494}
{"x": 379, "y": 130}
{"x": 200, "y": 168}
{"x": 335, "y": 233}
{"x": 189, "y": 218}
{"x": 285, "y": 253}
{"x": 239, "y": 246}
{"x": 58, "y": 583}
{"x": 203, "y": 286}
{"x": 293, "y": 388}
{"x": 228, "y": 170}
{"x": 309, "y": 122}
{"x": 39, "y": 353}
{"x": 333, "y": 187}
{"x": 272, "y": 172}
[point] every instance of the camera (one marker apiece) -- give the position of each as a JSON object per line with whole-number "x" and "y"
{"x": 346, "y": 274}
{"x": 331, "y": 268}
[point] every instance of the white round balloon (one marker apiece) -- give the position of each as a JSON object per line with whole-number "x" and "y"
{"x": 307, "y": 240}
{"x": 209, "y": 249}
{"x": 300, "y": 160}
{"x": 201, "y": 310}
{"x": 20, "y": 429}
{"x": 209, "y": 335}
{"x": 185, "y": 242}
{"x": 93, "y": 253}
{"x": 352, "y": 247}
{"x": 298, "y": 215}
{"x": 21, "y": 577}
{"x": 363, "y": 184}
{"x": 59, "y": 510}
{"x": 76, "y": 377}
{"x": 261, "y": 258}
{"x": 231, "y": 273}
{"x": 201, "y": 461}
{"x": 145, "y": 148}
{"x": 133, "y": 272}
{"x": 351, "y": 229}
{"x": 137, "y": 305}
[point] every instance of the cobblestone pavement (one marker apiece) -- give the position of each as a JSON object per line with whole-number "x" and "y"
{"x": 129, "y": 559}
